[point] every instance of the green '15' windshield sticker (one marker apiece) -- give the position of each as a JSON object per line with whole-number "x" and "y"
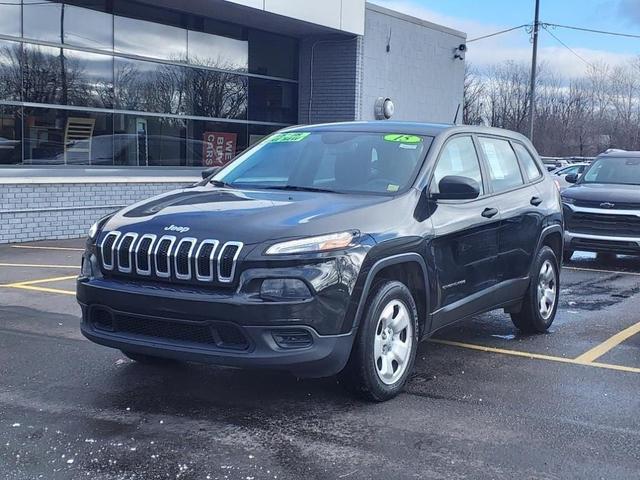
{"x": 406, "y": 139}
{"x": 288, "y": 137}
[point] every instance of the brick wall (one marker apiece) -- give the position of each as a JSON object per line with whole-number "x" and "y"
{"x": 57, "y": 211}
{"x": 418, "y": 72}
{"x": 336, "y": 79}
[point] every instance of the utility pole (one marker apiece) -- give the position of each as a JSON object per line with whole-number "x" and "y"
{"x": 534, "y": 68}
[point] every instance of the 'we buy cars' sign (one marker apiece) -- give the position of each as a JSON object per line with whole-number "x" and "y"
{"x": 219, "y": 148}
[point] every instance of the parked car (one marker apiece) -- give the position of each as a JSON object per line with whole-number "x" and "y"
{"x": 560, "y": 175}
{"x": 330, "y": 249}
{"x": 602, "y": 209}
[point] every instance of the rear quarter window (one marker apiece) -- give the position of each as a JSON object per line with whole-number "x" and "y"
{"x": 529, "y": 165}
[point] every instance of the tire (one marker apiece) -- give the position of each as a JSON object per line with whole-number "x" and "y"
{"x": 567, "y": 254}
{"x": 388, "y": 335}
{"x": 147, "y": 359}
{"x": 536, "y": 317}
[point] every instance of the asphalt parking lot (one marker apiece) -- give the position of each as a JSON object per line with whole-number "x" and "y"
{"x": 484, "y": 402}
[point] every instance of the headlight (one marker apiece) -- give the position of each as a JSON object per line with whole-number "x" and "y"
{"x": 93, "y": 231}
{"x": 322, "y": 243}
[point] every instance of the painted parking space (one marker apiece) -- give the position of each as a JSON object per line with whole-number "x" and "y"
{"x": 482, "y": 396}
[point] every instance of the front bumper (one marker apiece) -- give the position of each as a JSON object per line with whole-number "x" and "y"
{"x": 601, "y": 243}
{"x": 194, "y": 326}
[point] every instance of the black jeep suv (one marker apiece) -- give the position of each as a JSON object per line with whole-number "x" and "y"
{"x": 331, "y": 249}
{"x": 602, "y": 209}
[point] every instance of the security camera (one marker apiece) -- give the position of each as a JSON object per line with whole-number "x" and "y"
{"x": 462, "y": 48}
{"x": 460, "y": 51}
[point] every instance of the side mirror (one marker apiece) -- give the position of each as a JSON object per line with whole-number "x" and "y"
{"x": 571, "y": 178}
{"x": 210, "y": 172}
{"x": 457, "y": 188}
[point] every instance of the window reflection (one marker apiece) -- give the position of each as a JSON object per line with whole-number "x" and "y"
{"x": 59, "y": 76}
{"x": 10, "y": 76}
{"x": 214, "y": 144}
{"x": 149, "y": 39}
{"x": 216, "y": 94}
{"x": 60, "y": 137}
{"x": 273, "y": 55}
{"x": 149, "y": 141}
{"x": 273, "y": 101}
{"x": 218, "y": 52}
{"x": 10, "y": 135}
{"x": 10, "y": 18}
{"x": 42, "y": 20}
{"x": 88, "y": 28}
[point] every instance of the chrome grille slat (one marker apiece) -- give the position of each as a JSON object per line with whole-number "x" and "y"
{"x": 142, "y": 271}
{"x": 212, "y": 256}
{"x": 129, "y": 251}
{"x": 176, "y": 258}
{"x": 166, "y": 257}
{"x": 115, "y": 235}
{"x": 228, "y": 278}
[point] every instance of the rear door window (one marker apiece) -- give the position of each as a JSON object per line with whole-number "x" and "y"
{"x": 528, "y": 162}
{"x": 502, "y": 163}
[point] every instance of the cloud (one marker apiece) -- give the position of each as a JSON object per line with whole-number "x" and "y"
{"x": 515, "y": 45}
{"x": 629, "y": 10}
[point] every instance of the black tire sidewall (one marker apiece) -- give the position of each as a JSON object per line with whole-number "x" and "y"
{"x": 539, "y": 323}
{"x": 384, "y": 293}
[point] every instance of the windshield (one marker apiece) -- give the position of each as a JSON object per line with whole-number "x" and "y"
{"x": 619, "y": 170}
{"x": 343, "y": 162}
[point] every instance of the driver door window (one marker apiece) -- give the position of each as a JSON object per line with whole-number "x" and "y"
{"x": 458, "y": 158}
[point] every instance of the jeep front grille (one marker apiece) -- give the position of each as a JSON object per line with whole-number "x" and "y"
{"x": 170, "y": 258}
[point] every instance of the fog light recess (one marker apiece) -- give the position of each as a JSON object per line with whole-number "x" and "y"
{"x": 291, "y": 339}
{"x": 284, "y": 289}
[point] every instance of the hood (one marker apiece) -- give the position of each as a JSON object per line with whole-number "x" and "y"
{"x": 601, "y": 192}
{"x": 256, "y": 216}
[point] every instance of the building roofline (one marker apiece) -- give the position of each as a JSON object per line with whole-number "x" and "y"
{"x": 418, "y": 21}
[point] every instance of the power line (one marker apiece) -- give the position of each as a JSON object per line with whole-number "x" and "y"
{"x": 499, "y": 33}
{"x": 545, "y": 26}
{"x": 591, "y": 30}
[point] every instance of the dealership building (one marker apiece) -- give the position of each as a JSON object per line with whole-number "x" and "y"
{"x": 106, "y": 102}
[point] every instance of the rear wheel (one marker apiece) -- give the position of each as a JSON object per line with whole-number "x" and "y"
{"x": 147, "y": 359}
{"x": 384, "y": 352}
{"x": 540, "y": 304}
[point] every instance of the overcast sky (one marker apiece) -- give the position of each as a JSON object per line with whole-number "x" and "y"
{"x": 480, "y": 17}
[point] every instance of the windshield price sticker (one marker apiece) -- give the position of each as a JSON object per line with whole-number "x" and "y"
{"x": 406, "y": 139}
{"x": 288, "y": 137}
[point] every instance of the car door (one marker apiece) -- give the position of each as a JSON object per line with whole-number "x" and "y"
{"x": 465, "y": 243}
{"x": 519, "y": 202}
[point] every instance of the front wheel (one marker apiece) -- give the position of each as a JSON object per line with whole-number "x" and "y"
{"x": 385, "y": 349}
{"x": 540, "y": 303}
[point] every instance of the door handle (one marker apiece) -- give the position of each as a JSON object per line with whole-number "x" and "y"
{"x": 536, "y": 201}
{"x": 490, "y": 212}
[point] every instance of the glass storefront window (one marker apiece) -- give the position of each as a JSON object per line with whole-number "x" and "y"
{"x": 149, "y": 141}
{"x": 10, "y": 135}
{"x": 273, "y": 55}
{"x": 273, "y": 101}
{"x": 148, "y": 39}
{"x": 10, "y": 72}
{"x": 61, "y": 137}
{"x": 216, "y": 94}
{"x": 218, "y": 52}
{"x": 88, "y": 28}
{"x": 214, "y": 144}
{"x": 67, "y": 77}
{"x": 11, "y": 18}
{"x": 42, "y": 20}
{"x": 258, "y": 132}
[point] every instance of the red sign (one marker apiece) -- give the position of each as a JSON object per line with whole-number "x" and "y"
{"x": 219, "y": 148}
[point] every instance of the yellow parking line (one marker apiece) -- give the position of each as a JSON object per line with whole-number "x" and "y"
{"x": 601, "y": 271}
{"x": 33, "y": 247}
{"x": 41, "y": 289}
{"x": 44, "y": 280}
{"x": 30, "y": 265}
{"x": 611, "y": 343}
{"x": 537, "y": 356}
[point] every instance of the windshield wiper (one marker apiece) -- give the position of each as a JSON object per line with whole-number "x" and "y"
{"x": 296, "y": 188}
{"x": 220, "y": 183}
